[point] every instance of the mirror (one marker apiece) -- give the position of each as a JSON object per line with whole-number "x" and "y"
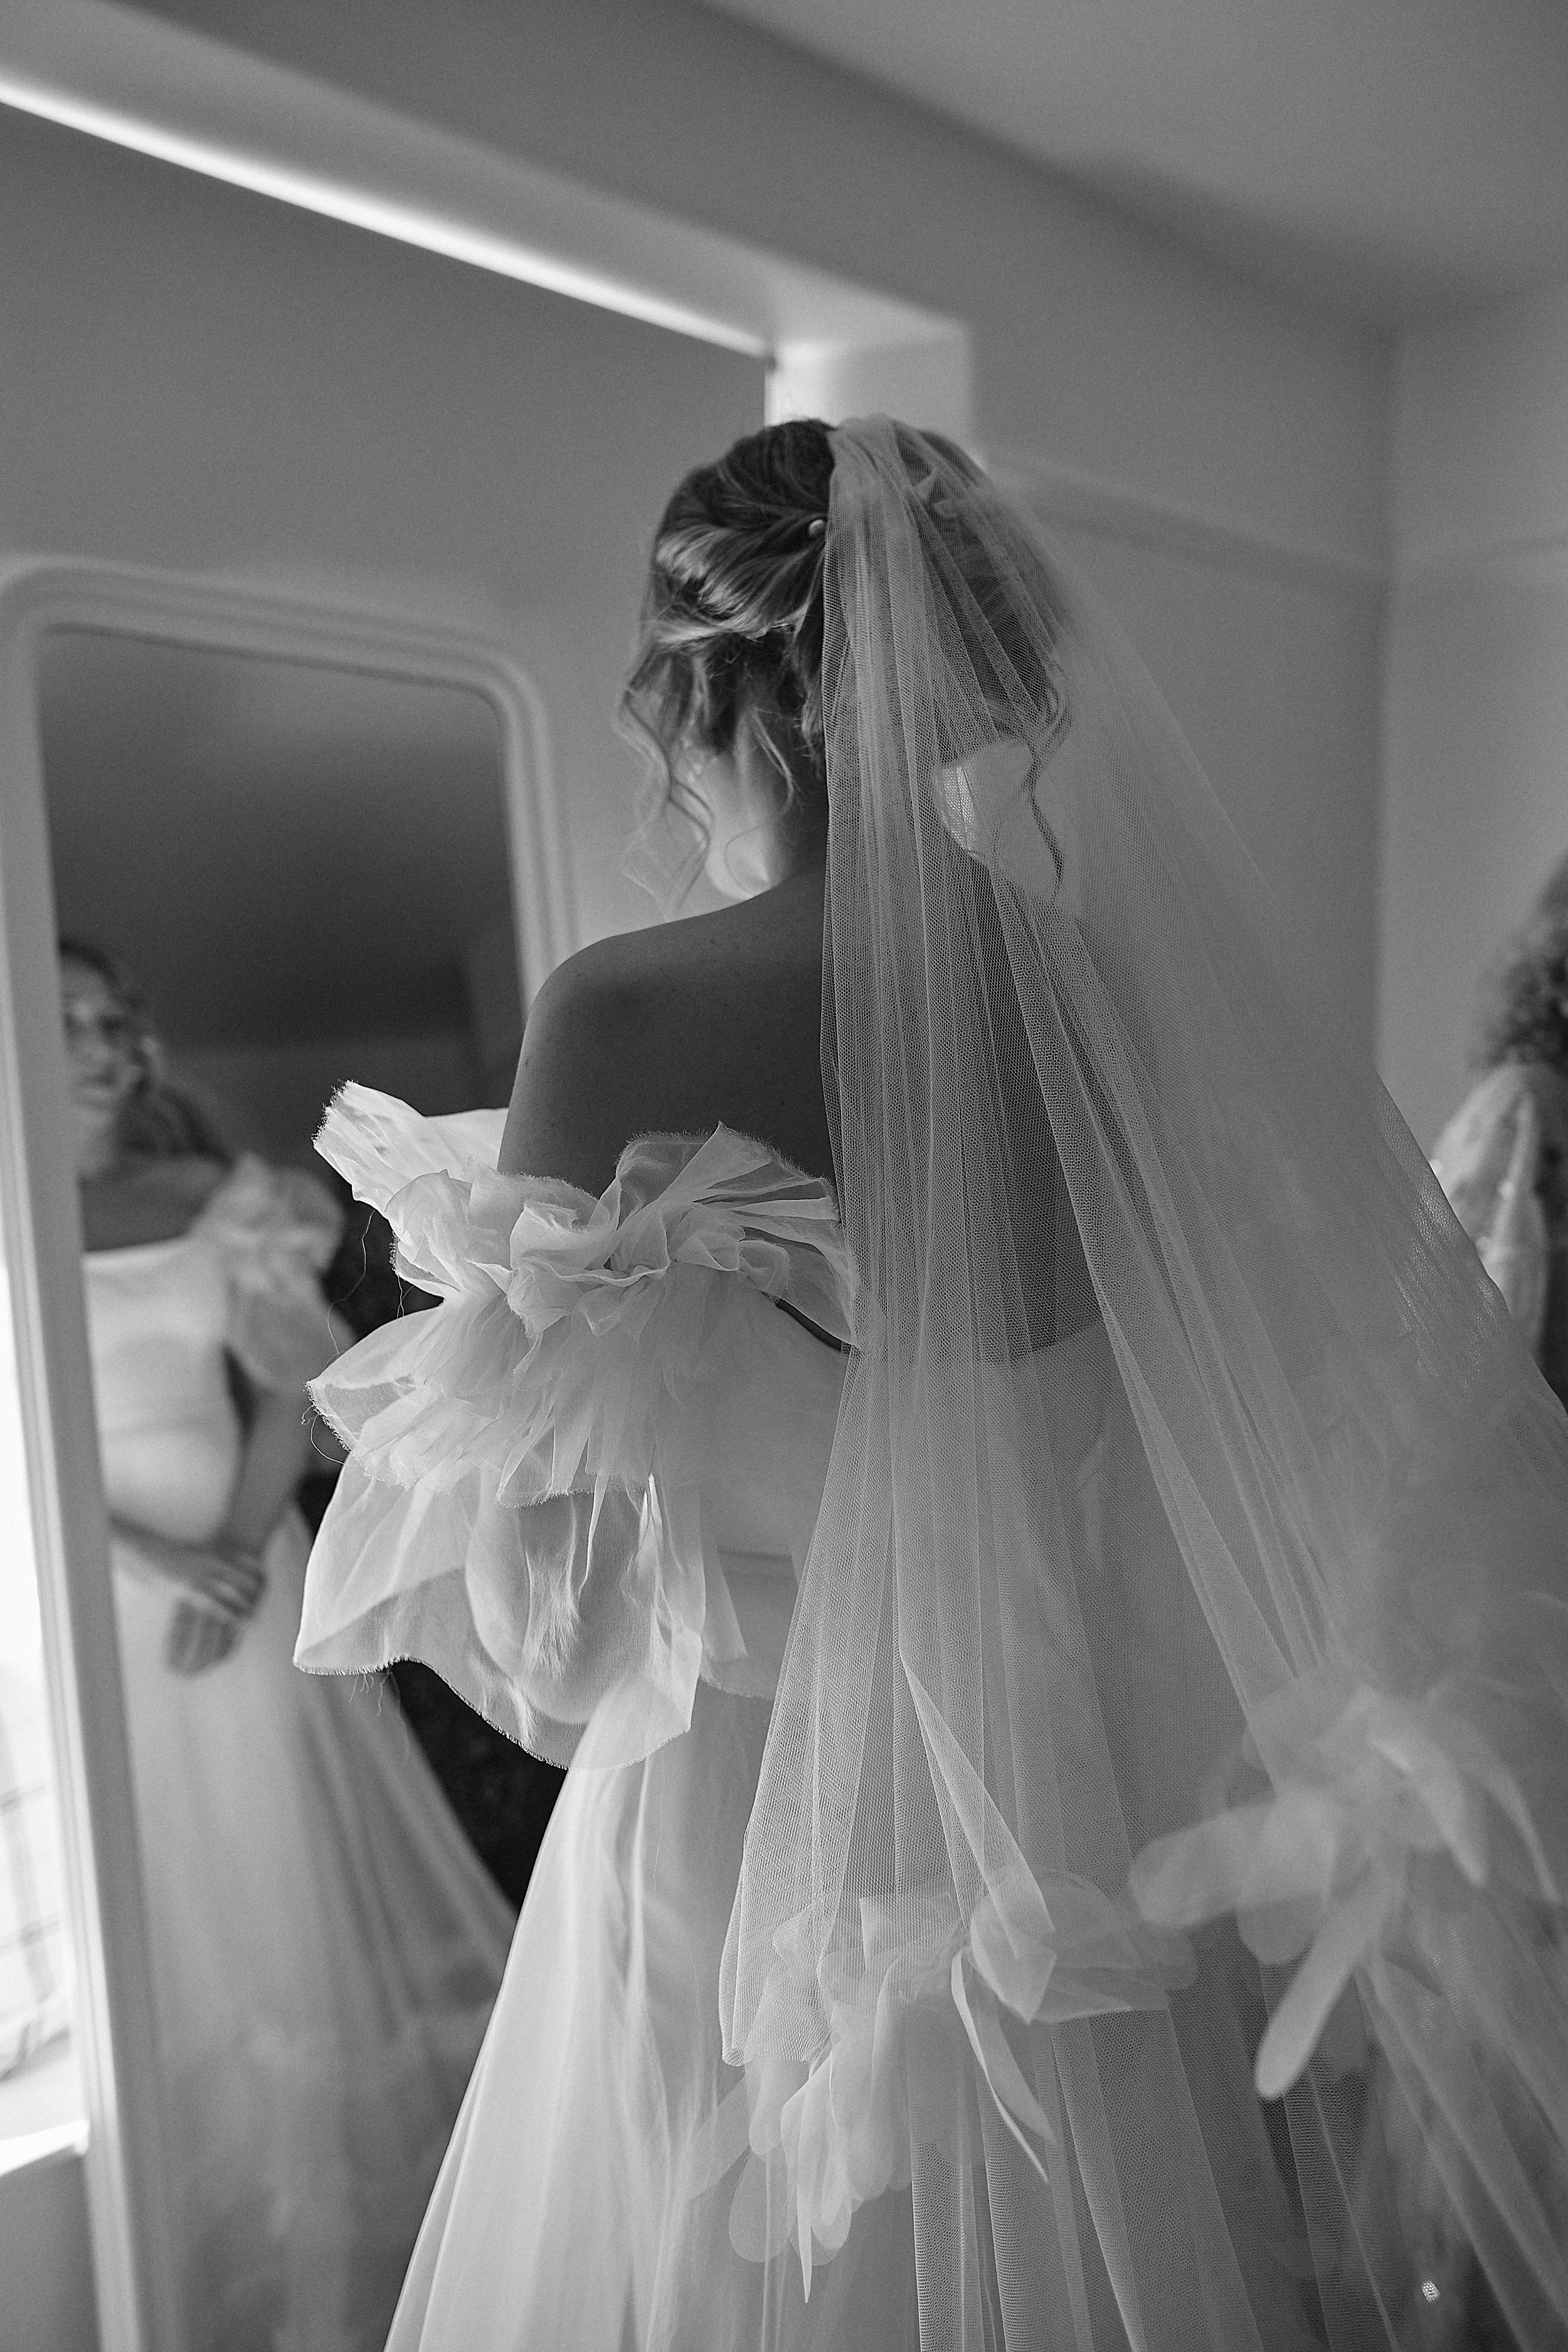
{"x": 277, "y": 875}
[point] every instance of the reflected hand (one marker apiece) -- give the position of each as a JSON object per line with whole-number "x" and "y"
{"x": 197, "y": 1638}
{"x": 226, "y": 1583}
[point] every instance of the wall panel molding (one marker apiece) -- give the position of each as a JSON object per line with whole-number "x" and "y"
{"x": 1539, "y": 559}
{"x": 1136, "y": 517}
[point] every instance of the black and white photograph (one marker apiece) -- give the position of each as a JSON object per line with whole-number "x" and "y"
{"x": 784, "y": 1176}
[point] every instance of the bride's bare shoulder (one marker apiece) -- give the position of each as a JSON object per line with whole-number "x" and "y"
{"x": 711, "y": 1019}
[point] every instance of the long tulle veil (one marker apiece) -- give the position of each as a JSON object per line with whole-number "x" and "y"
{"x": 1156, "y": 1870}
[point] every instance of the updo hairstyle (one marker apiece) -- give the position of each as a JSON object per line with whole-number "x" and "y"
{"x": 731, "y": 621}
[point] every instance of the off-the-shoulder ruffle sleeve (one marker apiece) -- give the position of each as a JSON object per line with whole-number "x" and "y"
{"x": 275, "y": 1230}
{"x": 511, "y": 1511}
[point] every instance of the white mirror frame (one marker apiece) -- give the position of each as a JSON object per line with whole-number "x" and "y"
{"x": 135, "y": 2271}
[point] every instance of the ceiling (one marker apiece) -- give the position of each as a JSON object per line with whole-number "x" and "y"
{"x": 281, "y": 851}
{"x": 1394, "y": 159}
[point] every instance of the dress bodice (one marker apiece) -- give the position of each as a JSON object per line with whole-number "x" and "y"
{"x": 157, "y": 1319}
{"x": 163, "y": 1317}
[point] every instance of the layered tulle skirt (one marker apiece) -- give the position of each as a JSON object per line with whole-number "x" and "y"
{"x": 325, "y": 1953}
{"x": 585, "y": 2203}
{"x": 576, "y": 2209}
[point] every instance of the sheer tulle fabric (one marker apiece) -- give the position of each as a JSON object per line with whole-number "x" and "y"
{"x": 325, "y": 1948}
{"x": 524, "y": 1508}
{"x": 326, "y": 1952}
{"x": 1078, "y": 1787}
{"x": 1146, "y": 1928}
{"x": 275, "y": 1229}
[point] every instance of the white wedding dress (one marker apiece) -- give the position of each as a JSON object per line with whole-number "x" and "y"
{"x": 1147, "y": 1896}
{"x": 325, "y": 1948}
{"x": 600, "y": 2193}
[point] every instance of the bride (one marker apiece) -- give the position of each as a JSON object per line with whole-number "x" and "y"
{"x": 965, "y": 1417}
{"x": 325, "y": 1950}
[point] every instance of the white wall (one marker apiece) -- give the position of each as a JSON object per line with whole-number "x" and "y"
{"x": 1215, "y": 455}
{"x": 208, "y": 381}
{"x": 1273, "y": 668}
{"x": 1476, "y": 756}
{"x": 1209, "y": 432}
{"x": 1098, "y": 346}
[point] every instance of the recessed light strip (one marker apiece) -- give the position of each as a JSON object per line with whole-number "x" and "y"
{"x": 390, "y": 216}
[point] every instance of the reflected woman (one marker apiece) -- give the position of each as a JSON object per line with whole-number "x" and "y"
{"x": 1502, "y": 1159}
{"x": 325, "y": 1948}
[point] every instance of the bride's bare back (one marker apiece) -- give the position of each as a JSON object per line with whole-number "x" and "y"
{"x": 711, "y": 1020}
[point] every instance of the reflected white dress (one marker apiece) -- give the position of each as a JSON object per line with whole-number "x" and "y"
{"x": 599, "y": 2194}
{"x": 325, "y": 1947}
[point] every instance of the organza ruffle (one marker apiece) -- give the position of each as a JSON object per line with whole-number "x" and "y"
{"x": 275, "y": 1230}
{"x": 1383, "y": 1814}
{"x": 915, "y": 2023}
{"x": 523, "y": 1506}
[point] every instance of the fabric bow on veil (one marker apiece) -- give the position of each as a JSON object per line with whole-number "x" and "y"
{"x": 1178, "y": 1402}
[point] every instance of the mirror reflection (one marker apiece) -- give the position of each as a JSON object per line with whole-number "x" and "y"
{"x": 1502, "y": 1159}
{"x": 271, "y": 876}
